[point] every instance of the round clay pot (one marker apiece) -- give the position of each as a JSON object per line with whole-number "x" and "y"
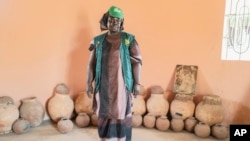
{"x": 83, "y": 104}
{"x": 21, "y": 126}
{"x": 182, "y": 106}
{"x": 220, "y": 131}
{"x": 136, "y": 120}
{"x": 190, "y": 123}
{"x": 82, "y": 120}
{"x": 64, "y": 125}
{"x": 32, "y": 110}
{"x": 210, "y": 110}
{"x": 60, "y": 105}
{"x": 149, "y": 120}
{"x": 9, "y": 113}
{"x": 177, "y": 124}
{"x": 157, "y": 105}
{"x": 162, "y": 123}
{"x": 94, "y": 119}
{"x": 202, "y": 130}
{"x": 139, "y": 105}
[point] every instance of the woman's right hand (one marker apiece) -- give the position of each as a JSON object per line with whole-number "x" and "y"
{"x": 90, "y": 91}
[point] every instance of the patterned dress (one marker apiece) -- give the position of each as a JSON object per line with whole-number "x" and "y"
{"x": 113, "y": 102}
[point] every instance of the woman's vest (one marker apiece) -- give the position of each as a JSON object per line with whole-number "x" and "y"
{"x": 125, "y": 59}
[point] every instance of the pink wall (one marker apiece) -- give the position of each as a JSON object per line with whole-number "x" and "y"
{"x": 43, "y": 43}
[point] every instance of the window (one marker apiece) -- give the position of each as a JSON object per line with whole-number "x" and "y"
{"x": 236, "y": 32}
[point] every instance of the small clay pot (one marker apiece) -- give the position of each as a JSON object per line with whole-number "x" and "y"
{"x": 220, "y": 131}
{"x": 202, "y": 130}
{"x": 21, "y": 126}
{"x": 64, "y": 125}
{"x": 162, "y": 123}
{"x": 149, "y": 120}
{"x": 82, "y": 120}
{"x": 136, "y": 120}
{"x": 190, "y": 123}
{"x": 177, "y": 124}
{"x": 94, "y": 119}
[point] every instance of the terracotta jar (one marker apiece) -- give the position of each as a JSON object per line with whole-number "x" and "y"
{"x": 9, "y": 113}
{"x": 94, "y": 119}
{"x": 190, "y": 123}
{"x": 139, "y": 105}
{"x": 177, "y": 124}
{"x": 21, "y": 126}
{"x": 136, "y": 120}
{"x": 64, "y": 125}
{"x": 149, "y": 120}
{"x": 210, "y": 110}
{"x": 202, "y": 130}
{"x": 60, "y": 105}
{"x": 32, "y": 110}
{"x": 156, "y": 89}
{"x": 83, "y": 104}
{"x": 82, "y": 120}
{"x": 182, "y": 106}
{"x": 162, "y": 123}
{"x": 157, "y": 105}
{"x": 220, "y": 131}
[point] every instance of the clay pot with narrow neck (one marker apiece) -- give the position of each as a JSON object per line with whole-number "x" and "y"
{"x": 32, "y": 110}
{"x": 157, "y": 105}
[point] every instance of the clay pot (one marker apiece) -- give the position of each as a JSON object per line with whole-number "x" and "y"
{"x": 9, "y": 113}
{"x": 157, "y": 105}
{"x": 83, "y": 104}
{"x": 202, "y": 130}
{"x": 220, "y": 131}
{"x": 4, "y": 99}
{"x": 82, "y": 120}
{"x": 162, "y": 123}
{"x": 149, "y": 120}
{"x": 94, "y": 119}
{"x": 210, "y": 110}
{"x": 190, "y": 123}
{"x": 21, "y": 126}
{"x": 64, "y": 125}
{"x": 182, "y": 106}
{"x": 136, "y": 120}
{"x": 139, "y": 105}
{"x": 32, "y": 110}
{"x": 60, "y": 105}
{"x": 177, "y": 124}
{"x": 62, "y": 88}
{"x": 156, "y": 90}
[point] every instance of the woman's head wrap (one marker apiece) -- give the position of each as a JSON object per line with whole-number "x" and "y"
{"x": 114, "y": 12}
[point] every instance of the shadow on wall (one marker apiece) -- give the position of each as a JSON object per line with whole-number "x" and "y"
{"x": 77, "y": 71}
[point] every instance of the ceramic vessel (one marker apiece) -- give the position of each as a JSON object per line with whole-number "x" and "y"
{"x": 182, "y": 106}
{"x": 9, "y": 113}
{"x": 220, "y": 131}
{"x": 82, "y": 120}
{"x": 64, "y": 125}
{"x": 190, "y": 123}
{"x": 83, "y": 104}
{"x": 149, "y": 120}
{"x": 157, "y": 105}
{"x": 139, "y": 105}
{"x": 136, "y": 120}
{"x": 162, "y": 123}
{"x": 202, "y": 130}
{"x": 32, "y": 110}
{"x": 177, "y": 124}
{"x": 21, "y": 126}
{"x": 210, "y": 110}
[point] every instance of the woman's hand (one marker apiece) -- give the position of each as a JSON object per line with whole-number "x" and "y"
{"x": 136, "y": 89}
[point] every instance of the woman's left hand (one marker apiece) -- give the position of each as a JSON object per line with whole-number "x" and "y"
{"x": 136, "y": 89}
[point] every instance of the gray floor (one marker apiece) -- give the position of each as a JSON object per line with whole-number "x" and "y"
{"x": 47, "y": 131}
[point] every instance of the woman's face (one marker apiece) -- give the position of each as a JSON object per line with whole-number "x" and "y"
{"x": 114, "y": 24}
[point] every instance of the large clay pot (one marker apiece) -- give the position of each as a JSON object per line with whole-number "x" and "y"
{"x": 83, "y": 104}
{"x": 9, "y": 113}
{"x": 220, "y": 131}
{"x": 202, "y": 130}
{"x": 190, "y": 123}
{"x": 139, "y": 105}
{"x": 182, "y": 106}
{"x": 32, "y": 110}
{"x": 177, "y": 124}
{"x": 162, "y": 123}
{"x": 210, "y": 110}
{"x": 21, "y": 126}
{"x": 60, "y": 105}
{"x": 157, "y": 105}
{"x": 64, "y": 125}
{"x": 82, "y": 120}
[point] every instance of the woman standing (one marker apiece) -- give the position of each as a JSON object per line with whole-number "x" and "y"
{"x": 114, "y": 65}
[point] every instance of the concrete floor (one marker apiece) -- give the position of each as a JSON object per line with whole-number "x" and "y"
{"x": 47, "y": 131}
